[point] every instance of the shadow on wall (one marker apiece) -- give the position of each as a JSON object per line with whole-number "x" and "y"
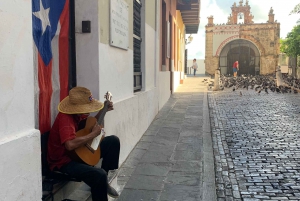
{"x": 201, "y": 66}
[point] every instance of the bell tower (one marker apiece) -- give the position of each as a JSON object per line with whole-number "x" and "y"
{"x": 237, "y": 10}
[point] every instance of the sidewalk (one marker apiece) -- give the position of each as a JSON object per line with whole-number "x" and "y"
{"x": 174, "y": 158}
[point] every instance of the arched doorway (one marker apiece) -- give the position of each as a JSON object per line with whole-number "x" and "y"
{"x": 243, "y": 51}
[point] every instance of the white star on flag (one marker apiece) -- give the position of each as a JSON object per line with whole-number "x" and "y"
{"x": 43, "y": 15}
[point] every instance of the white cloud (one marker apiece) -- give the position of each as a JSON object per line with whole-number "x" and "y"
{"x": 260, "y": 10}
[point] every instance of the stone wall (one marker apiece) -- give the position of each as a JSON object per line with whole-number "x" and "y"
{"x": 211, "y": 62}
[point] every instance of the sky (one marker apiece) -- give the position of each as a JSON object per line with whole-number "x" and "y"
{"x": 220, "y": 10}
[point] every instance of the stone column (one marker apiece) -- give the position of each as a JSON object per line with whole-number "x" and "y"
{"x": 217, "y": 80}
{"x": 210, "y": 20}
{"x": 271, "y": 18}
{"x": 279, "y": 80}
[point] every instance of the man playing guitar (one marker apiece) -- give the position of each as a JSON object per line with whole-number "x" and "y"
{"x": 63, "y": 139}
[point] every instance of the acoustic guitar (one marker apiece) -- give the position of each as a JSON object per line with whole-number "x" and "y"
{"x": 90, "y": 153}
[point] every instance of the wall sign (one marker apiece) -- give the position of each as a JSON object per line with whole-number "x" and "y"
{"x": 119, "y": 24}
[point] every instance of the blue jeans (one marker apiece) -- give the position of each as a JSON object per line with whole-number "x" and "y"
{"x": 195, "y": 71}
{"x": 96, "y": 178}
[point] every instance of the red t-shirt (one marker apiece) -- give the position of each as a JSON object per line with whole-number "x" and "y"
{"x": 235, "y": 64}
{"x": 63, "y": 129}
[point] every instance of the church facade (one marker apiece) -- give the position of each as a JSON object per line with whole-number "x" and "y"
{"x": 254, "y": 45}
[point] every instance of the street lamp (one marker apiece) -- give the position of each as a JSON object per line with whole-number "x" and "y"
{"x": 189, "y": 39}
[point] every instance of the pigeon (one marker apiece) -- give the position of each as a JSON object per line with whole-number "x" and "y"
{"x": 266, "y": 90}
{"x": 258, "y": 83}
{"x": 259, "y": 91}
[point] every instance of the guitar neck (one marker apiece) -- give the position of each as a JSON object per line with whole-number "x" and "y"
{"x": 103, "y": 112}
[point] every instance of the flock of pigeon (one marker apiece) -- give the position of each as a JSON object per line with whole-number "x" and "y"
{"x": 259, "y": 83}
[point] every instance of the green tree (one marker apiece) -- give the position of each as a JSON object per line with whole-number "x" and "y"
{"x": 296, "y": 9}
{"x": 291, "y": 46}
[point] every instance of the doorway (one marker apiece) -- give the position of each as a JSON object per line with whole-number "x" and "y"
{"x": 243, "y": 51}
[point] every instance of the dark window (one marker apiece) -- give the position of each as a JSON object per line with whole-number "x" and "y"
{"x": 137, "y": 42}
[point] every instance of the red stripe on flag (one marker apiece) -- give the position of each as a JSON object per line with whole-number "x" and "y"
{"x": 64, "y": 52}
{"x": 45, "y": 86}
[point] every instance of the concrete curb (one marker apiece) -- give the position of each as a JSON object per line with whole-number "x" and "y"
{"x": 209, "y": 186}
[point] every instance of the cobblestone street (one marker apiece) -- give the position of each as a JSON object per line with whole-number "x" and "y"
{"x": 256, "y": 145}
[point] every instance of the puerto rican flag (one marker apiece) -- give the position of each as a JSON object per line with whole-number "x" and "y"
{"x": 50, "y": 23}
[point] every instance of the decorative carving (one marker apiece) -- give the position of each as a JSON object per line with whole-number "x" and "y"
{"x": 251, "y": 18}
{"x": 230, "y": 19}
{"x": 271, "y": 11}
{"x": 241, "y": 2}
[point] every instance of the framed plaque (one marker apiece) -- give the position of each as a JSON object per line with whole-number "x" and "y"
{"x": 119, "y": 24}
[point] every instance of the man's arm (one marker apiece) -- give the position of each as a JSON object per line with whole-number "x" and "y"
{"x": 79, "y": 141}
{"x": 110, "y": 107}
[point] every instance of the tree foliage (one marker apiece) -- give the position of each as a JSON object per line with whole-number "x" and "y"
{"x": 296, "y": 9}
{"x": 291, "y": 44}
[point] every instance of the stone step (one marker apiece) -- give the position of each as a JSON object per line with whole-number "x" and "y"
{"x": 83, "y": 193}
{"x": 63, "y": 190}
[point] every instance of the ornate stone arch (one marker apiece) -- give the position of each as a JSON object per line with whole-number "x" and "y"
{"x": 236, "y": 37}
{"x": 255, "y": 42}
{"x": 225, "y": 42}
{"x": 242, "y": 50}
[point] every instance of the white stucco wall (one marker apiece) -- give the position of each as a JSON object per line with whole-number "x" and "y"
{"x": 176, "y": 79}
{"x": 20, "y": 158}
{"x": 164, "y": 87}
{"x": 116, "y": 72}
{"x": 150, "y": 51}
{"x": 87, "y": 49}
{"x": 20, "y": 171}
{"x": 131, "y": 118}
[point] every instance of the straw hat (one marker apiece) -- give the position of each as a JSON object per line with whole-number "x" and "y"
{"x": 79, "y": 101}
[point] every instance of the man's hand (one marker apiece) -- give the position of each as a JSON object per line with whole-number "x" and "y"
{"x": 110, "y": 106}
{"x": 96, "y": 129}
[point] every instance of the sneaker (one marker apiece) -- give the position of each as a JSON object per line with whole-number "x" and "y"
{"x": 112, "y": 192}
